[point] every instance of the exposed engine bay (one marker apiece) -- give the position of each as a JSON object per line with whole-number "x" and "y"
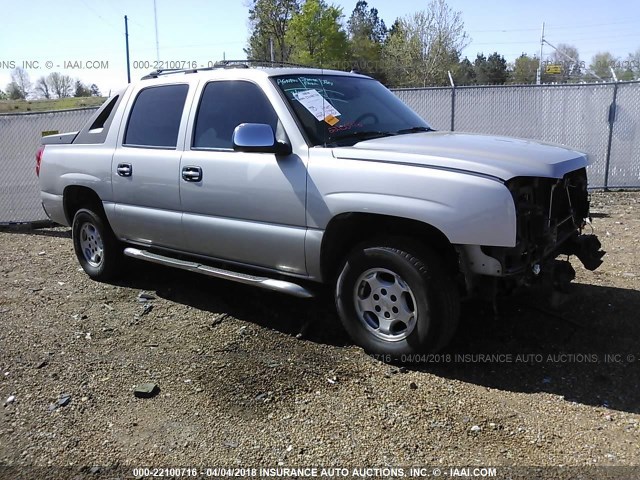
{"x": 552, "y": 215}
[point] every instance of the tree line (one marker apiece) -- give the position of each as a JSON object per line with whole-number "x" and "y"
{"x": 417, "y": 50}
{"x": 54, "y": 85}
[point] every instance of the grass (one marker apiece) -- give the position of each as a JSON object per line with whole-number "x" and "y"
{"x": 21, "y": 106}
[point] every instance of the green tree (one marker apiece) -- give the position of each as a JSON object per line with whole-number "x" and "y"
{"x": 601, "y": 65}
{"x": 497, "y": 70}
{"x": 633, "y": 63}
{"x": 626, "y": 75}
{"x": 480, "y": 67}
{"x": 365, "y": 22}
{"x": 464, "y": 74}
{"x": 81, "y": 90}
{"x": 367, "y": 33}
{"x": 95, "y": 91}
{"x": 525, "y": 70}
{"x": 421, "y": 48}
{"x": 400, "y": 53}
{"x": 395, "y": 28}
{"x": 269, "y": 21}
{"x": 20, "y": 84}
{"x": 3, "y": 96}
{"x": 490, "y": 70}
{"x": 316, "y": 35}
{"x": 14, "y": 92}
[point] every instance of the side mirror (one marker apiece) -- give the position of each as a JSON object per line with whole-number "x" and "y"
{"x": 258, "y": 137}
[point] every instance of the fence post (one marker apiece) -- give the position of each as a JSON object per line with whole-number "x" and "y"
{"x": 612, "y": 119}
{"x": 453, "y": 102}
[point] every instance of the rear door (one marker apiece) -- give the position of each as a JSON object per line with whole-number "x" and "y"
{"x": 146, "y": 165}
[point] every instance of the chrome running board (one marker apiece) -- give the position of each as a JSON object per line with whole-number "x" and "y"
{"x": 262, "y": 282}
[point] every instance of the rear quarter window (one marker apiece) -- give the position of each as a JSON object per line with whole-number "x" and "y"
{"x": 95, "y": 131}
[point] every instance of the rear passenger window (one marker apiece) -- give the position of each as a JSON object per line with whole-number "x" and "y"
{"x": 224, "y": 106}
{"x": 155, "y": 116}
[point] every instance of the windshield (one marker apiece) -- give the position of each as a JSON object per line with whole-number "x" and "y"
{"x": 343, "y": 110}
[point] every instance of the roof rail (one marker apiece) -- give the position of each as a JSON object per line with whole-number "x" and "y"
{"x": 224, "y": 64}
{"x": 258, "y": 63}
{"x": 169, "y": 71}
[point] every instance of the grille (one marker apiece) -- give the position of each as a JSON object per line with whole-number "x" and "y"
{"x": 549, "y": 212}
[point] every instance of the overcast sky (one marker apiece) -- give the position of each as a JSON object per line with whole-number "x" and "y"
{"x": 81, "y": 31}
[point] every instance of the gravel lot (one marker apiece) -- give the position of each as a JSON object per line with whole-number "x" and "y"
{"x": 250, "y": 378}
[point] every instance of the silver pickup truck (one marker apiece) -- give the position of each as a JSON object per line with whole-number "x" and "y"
{"x": 288, "y": 178}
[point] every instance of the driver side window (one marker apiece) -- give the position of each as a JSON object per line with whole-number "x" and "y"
{"x": 225, "y": 105}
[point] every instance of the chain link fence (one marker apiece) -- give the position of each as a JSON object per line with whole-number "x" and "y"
{"x": 600, "y": 119}
{"x": 624, "y": 164}
{"x": 20, "y": 135}
{"x": 432, "y": 104}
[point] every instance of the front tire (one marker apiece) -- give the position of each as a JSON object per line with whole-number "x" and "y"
{"x": 95, "y": 245}
{"x": 396, "y": 298}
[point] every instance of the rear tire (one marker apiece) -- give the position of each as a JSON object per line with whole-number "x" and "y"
{"x": 395, "y": 298}
{"x": 96, "y": 246}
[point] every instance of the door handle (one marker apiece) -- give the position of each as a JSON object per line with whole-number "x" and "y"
{"x": 124, "y": 169}
{"x": 192, "y": 174}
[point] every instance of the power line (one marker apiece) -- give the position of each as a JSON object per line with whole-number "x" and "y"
{"x": 569, "y": 39}
{"x": 503, "y": 43}
{"x": 506, "y": 30}
{"x": 570, "y": 27}
{"x": 114, "y": 27}
{"x": 100, "y": 16}
{"x": 606, "y": 37}
{"x": 207, "y": 45}
{"x": 551, "y": 27}
{"x": 121, "y": 12}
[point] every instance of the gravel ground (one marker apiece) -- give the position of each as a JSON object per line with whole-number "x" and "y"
{"x": 250, "y": 378}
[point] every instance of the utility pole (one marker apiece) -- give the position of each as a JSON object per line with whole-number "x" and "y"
{"x": 126, "y": 38}
{"x": 273, "y": 57}
{"x": 155, "y": 16}
{"x": 539, "y": 75}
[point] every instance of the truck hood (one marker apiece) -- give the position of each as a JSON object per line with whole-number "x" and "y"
{"x": 500, "y": 157}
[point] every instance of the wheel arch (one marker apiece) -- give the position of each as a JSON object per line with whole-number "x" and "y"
{"x": 76, "y": 197}
{"x": 347, "y": 230}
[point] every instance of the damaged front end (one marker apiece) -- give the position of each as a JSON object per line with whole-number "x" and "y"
{"x": 551, "y": 217}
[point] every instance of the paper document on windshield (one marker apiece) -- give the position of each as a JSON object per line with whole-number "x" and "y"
{"x": 318, "y": 106}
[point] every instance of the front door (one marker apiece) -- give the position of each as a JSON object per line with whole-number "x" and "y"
{"x": 244, "y": 207}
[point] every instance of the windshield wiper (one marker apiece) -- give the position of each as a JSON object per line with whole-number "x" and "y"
{"x": 414, "y": 130}
{"x": 365, "y": 135}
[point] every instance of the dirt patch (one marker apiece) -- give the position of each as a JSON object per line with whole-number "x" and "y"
{"x": 252, "y": 378}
